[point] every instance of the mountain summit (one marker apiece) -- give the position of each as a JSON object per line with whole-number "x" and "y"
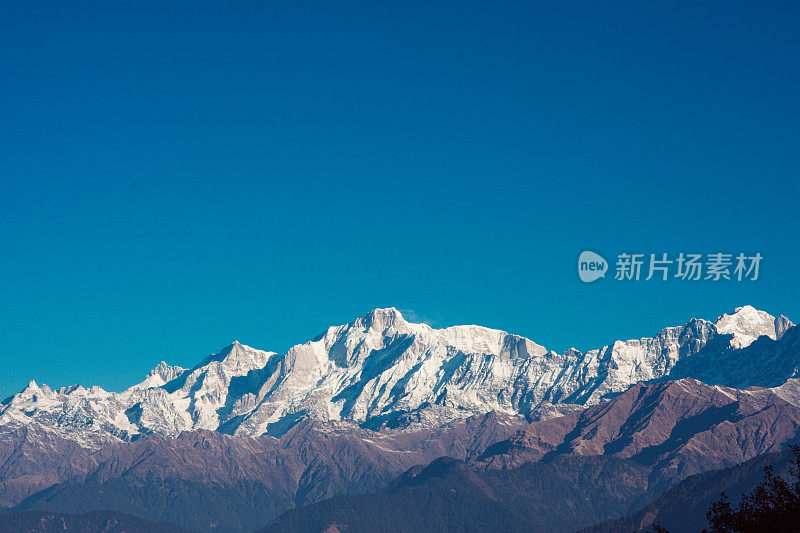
{"x": 382, "y": 371}
{"x": 747, "y": 323}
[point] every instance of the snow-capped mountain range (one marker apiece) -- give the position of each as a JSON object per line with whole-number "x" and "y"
{"x": 383, "y": 372}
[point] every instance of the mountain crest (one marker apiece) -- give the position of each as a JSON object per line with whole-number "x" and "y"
{"x": 381, "y": 371}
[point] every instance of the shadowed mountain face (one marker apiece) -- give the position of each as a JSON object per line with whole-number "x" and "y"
{"x": 676, "y": 428}
{"x": 716, "y": 364}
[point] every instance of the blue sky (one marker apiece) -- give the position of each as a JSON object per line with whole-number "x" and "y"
{"x": 174, "y": 177}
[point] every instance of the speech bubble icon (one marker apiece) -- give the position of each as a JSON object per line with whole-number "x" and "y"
{"x": 591, "y": 266}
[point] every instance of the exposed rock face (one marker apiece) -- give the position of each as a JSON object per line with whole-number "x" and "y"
{"x": 382, "y": 371}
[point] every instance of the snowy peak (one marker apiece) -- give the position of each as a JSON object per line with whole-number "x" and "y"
{"x": 34, "y": 391}
{"x": 747, "y": 323}
{"x": 467, "y": 338}
{"x": 383, "y": 320}
{"x": 31, "y": 389}
{"x": 160, "y": 375}
{"x": 478, "y": 339}
{"x": 234, "y": 359}
{"x": 238, "y": 356}
{"x": 382, "y": 371}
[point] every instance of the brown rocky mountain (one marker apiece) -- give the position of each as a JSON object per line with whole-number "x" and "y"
{"x": 205, "y": 480}
{"x": 677, "y": 428}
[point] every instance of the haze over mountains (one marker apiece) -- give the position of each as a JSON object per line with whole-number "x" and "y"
{"x": 247, "y": 435}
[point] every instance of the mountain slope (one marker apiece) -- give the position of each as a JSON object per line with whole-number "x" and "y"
{"x": 565, "y": 494}
{"x": 447, "y": 496}
{"x": 684, "y": 507}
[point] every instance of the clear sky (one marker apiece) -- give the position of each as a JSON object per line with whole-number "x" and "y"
{"x": 177, "y": 175}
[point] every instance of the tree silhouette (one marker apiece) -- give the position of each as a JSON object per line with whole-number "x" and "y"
{"x": 773, "y": 506}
